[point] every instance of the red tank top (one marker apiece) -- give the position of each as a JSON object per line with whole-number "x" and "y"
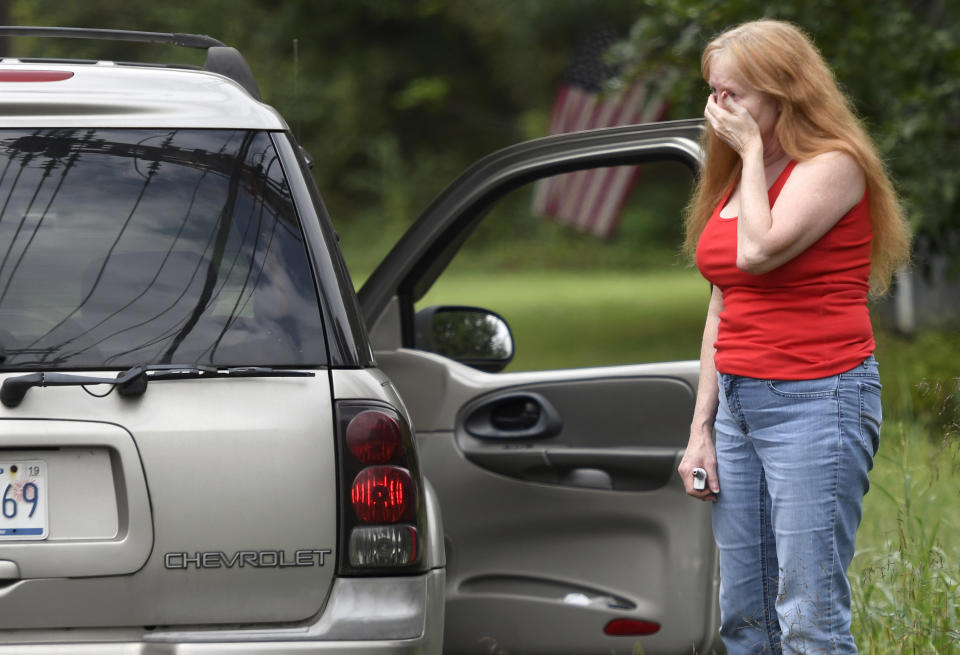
{"x": 804, "y": 320}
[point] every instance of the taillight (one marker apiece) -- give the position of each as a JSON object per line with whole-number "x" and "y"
{"x": 374, "y": 437}
{"x": 383, "y": 494}
{"x": 382, "y": 521}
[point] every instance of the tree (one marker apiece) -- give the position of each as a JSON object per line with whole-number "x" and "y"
{"x": 392, "y": 97}
{"x": 899, "y": 61}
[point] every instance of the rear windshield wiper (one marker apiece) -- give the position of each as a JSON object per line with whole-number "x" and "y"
{"x": 133, "y": 381}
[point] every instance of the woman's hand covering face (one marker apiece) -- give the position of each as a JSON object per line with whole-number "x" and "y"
{"x": 732, "y": 122}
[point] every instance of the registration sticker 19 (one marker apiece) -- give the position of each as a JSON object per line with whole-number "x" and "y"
{"x": 23, "y": 500}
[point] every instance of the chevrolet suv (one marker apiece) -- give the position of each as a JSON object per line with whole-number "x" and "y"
{"x": 196, "y": 451}
{"x": 210, "y": 444}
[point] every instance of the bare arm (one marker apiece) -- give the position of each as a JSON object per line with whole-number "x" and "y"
{"x": 817, "y": 195}
{"x": 700, "y": 452}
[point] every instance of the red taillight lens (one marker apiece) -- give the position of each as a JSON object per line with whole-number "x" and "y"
{"x": 631, "y": 627}
{"x": 374, "y": 437}
{"x": 382, "y": 494}
{"x": 34, "y": 76}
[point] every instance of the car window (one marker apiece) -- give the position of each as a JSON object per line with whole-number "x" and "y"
{"x": 575, "y": 299}
{"x": 123, "y": 247}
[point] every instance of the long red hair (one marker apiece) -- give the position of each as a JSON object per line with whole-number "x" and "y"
{"x": 778, "y": 59}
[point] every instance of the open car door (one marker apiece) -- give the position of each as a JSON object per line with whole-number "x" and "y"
{"x": 567, "y": 527}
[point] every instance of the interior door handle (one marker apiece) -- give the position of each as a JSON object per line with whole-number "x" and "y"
{"x": 523, "y": 414}
{"x": 512, "y": 415}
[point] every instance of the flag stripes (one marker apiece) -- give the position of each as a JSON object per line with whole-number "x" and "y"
{"x": 591, "y": 201}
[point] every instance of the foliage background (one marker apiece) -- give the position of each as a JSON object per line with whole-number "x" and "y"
{"x": 898, "y": 60}
{"x": 395, "y": 97}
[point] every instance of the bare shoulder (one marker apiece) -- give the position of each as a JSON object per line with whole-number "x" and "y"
{"x": 835, "y": 175}
{"x": 835, "y": 162}
{"x": 832, "y": 169}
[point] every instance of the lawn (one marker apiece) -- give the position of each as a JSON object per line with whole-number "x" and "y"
{"x": 567, "y": 319}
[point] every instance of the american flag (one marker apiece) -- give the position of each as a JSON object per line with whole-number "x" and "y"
{"x": 591, "y": 200}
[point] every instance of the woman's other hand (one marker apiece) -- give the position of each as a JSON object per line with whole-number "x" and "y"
{"x": 700, "y": 453}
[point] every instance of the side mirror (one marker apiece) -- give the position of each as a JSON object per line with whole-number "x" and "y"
{"x": 470, "y": 335}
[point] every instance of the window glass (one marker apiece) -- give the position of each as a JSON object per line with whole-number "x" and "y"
{"x": 573, "y": 298}
{"x": 125, "y": 247}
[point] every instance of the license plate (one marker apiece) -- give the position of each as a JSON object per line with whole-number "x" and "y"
{"x": 23, "y": 500}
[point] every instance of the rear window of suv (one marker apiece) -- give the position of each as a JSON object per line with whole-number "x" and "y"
{"x": 121, "y": 247}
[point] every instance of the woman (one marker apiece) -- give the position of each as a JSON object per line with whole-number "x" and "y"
{"x": 793, "y": 221}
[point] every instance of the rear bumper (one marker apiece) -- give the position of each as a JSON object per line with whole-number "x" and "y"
{"x": 402, "y": 615}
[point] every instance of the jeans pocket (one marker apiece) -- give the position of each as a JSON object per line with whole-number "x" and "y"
{"x": 817, "y": 388}
{"x": 871, "y": 415}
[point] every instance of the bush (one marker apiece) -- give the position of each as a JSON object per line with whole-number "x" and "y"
{"x": 921, "y": 378}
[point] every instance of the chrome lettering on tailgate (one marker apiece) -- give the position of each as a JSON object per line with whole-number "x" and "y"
{"x": 258, "y": 559}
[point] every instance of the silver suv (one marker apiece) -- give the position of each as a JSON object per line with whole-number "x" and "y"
{"x": 196, "y": 450}
{"x": 199, "y": 453}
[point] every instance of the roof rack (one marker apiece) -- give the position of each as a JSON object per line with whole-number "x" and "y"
{"x": 221, "y": 59}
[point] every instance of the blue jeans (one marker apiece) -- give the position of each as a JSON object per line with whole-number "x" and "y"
{"x": 792, "y": 463}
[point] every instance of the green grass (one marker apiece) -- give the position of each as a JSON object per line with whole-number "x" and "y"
{"x": 921, "y": 378}
{"x": 905, "y": 577}
{"x": 568, "y": 319}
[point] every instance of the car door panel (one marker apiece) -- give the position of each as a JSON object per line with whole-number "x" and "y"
{"x": 564, "y": 517}
{"x": 535, "y": 546}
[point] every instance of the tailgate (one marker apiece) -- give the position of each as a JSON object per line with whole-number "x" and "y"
{"x": 201, "y": 502}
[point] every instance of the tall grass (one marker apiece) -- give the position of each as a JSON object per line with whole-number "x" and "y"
{"x": 905, "y": 576}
